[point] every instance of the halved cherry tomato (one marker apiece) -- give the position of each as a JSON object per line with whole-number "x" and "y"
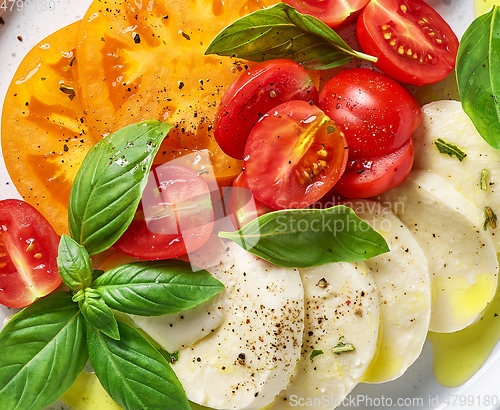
{"x": 28, "y": 252}
{"x": 377, "y": 114}
{"x": 331, "y": 12}
{"x": 142, "y": 59}
{"x": 175, "y": 216}
{"x": 44, "y": 136}
{"x": 243, "y": 207}
{"x": 371, "y": 177}
{"x": 294, "y": 155}
{"x": 254, "y": 93}
{"x": 412, "y": 42}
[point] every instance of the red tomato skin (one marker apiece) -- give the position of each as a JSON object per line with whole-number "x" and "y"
{"x": 255, "y": 92}
{"x": 385, "y": 173}
{"x": 28, "y": 254}
{"x": 377, "y": 114}
{"x": 276, "y": 157}
{"x": 178, "y": 231}
{"x": 331, "y": 12}
{"x": 383, "y": 21}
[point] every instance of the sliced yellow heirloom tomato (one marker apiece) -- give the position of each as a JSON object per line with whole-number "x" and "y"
{"x": 44, "y": 137}
{"x": 142, "y": 60}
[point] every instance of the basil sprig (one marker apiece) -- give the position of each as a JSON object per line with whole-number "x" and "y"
{"x": 280, "y": 31}
{"x": 108, "y": 186}
{"x": 478, "y": 75}
{"x": 301, "y": 238}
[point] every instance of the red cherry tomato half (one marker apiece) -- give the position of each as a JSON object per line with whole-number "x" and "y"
{"x": 294, "y": 155}
{"x": 264, "y": 86}
{"x": 175, "y": 216}
{"x": 243, "y": 207}
{"x": 368, "y": 178}
{"x": 412, "y": 42}
{"x": 377, "y": 114}
{"x": 28, "y": 254}
{"x": 331, "y": 12}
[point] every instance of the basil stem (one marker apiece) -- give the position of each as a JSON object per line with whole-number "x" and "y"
{"x": 280, "y": 31}
{"x": 153, "y": 288}
{"x": 99, "y": 315}
{"x": 133, "y": 372}
{"x": 302, "y": 238}
{"x": 108, "y": 186}
{"x": 478, "y": 75}
{"x": 75, "y": 266}
{"x": 42, "y": 351}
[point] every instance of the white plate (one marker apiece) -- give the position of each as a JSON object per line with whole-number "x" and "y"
{"x": 35, "y": 19}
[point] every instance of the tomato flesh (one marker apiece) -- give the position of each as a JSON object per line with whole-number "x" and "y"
{"x": 294, "y": 155}
{"x": 254, "y": 93}
{"x": 175, "y": 216}
{"x": 412, "y": 42}
{"x": 331, "y": 12}
{"x": 28, "y": 252}
{"x": 376, "y": 114}
{"x": 368, "y": 178}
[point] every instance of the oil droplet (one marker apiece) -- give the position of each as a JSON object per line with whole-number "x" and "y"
{"x": 459, "y": 355}
{"x": 482, "y": 6}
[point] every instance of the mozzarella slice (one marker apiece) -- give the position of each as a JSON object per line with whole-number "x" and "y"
{"x": 249, "y": 359}
{"x": 462, "y": 257}
{"x": 447, "y": 120}
{"x": 341, "y": 306}
{"x": 403, "y": 283}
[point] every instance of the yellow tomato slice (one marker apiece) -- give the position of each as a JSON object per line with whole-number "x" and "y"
{"x": 143, "y": 59}
{"x": 44, "y": 137}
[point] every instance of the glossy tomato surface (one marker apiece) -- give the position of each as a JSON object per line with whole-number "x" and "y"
{"x": 44, "y": 135}
{"x": 412, "y": 42}
{"x": 141, "y": 60}
{"x": 377, "y": 114}
{"x": 371, "y": 177}
{"x": 175, "y": 216}
{"x": 255, "y": 92}
{"x": 28, "y": 252}
{"x": 331, "y": 12}
{"x": 294, "y": 155}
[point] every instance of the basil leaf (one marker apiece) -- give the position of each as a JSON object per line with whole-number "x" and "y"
{"x": 75, "y": 266}
{"x": 280, "y": 31}
{"x": 95, "y": 310}
{"x": 108, "y": 186}
{"x": 153, "y": 288}
{"x": 133, "y": 372}
{"x": 42, "y": 351}
{"x": 478, "y": 75}
{"x": 301, "y": 238}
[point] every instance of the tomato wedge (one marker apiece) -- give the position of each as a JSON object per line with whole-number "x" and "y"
{"x": 175, "y": 216}
{"x": 44, "y": 136}
{"x": 412, "y": 42}
{"x": 28, "y": 252}
{"x": 371, "y": 177}
{"x": 146, "y": 60}
{"x": 294, "y": 155}
{"x": 331, "y": 12}
{"x": 255, "y": 92}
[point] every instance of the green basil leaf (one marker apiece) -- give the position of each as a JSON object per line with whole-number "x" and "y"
{"x": 75, "y": 266}
{"x": 133, "y": 372}
{"x": 153, "y": 288}
{"x": 478, "y": 75}
{"x": 301, "y": 238}
{"x": 42, "y": 350}
{"x": 280, "y": 31}
{"x": 95, "y": 310}
{"x": 108, "y": 186}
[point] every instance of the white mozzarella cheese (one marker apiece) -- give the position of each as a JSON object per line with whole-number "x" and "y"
{"x": 447, "y": 120}
{"x": 249, "y": 358}
{"x": 462, "y": 257}
{"x": 341, "y": 307}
